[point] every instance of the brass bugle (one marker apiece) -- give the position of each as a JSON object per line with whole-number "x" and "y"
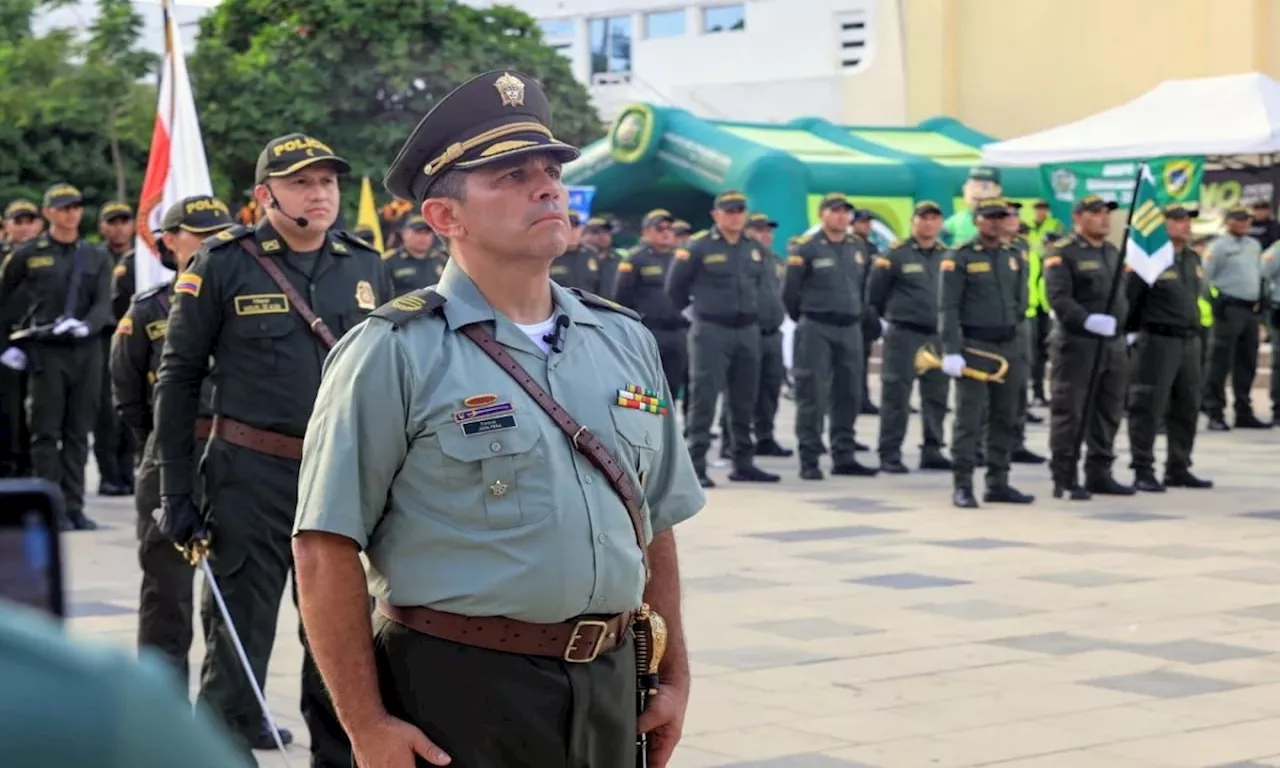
{"x": 928, "y": 358}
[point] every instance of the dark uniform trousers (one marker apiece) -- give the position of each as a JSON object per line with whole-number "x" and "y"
{"x": 66, "y": 379}
{"x": 165, "y": 603}
{"x": 1165, "y": 385}
{"x": 828, "y": 385}
{"x": 488, "y": 709}
{"x": 897, "y": 374}
{"x": 988, "y": 407}
{"x": 15, "y": 459}
{"x": 1025, "y": 343}
{"x": 1072, "y": 363}
{"x": 772, "y": 371}
{"x": 723, "y": 358}
{"x": 1235, "y": 352}
{"x": 251, "y": 499}
{"x": 112, "y": 442}
{"x": 1041, "y": 324}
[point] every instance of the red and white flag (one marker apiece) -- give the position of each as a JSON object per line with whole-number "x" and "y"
{"x": 176, "y": 167}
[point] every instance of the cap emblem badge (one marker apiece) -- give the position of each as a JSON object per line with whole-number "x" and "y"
{"x": 511, "y": 89}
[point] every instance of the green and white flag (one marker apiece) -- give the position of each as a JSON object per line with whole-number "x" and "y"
{"x": 1148, "y": 252}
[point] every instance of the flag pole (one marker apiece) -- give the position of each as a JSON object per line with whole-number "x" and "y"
{"x": 1095, "y": 373}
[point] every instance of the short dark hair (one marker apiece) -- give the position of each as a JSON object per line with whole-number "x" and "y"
{"x": 452, "y": 185}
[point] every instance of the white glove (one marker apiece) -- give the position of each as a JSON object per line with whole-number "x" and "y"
{"x": 1100, "y": 325}
{"x": 1130, "y": 339}
{"x": 14, "y": 359}
{"x": 884, "y": 325}
{"x": 953, "y": 365}
{"x": 72, "y": 326}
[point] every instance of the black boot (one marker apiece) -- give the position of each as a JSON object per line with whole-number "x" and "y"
{"x": 1145, "y": 480}
{"x": 1006, "y": 494}
{"x": 934, "y": 460}
{"x": 1106, "y": 485}
{"x": 868, "y": 409}
{"x": 1071, "y": 489}
{"x": 264, "y": 741}
{"x": 860, "y": 447}
{"x": 1033, "y": 418}
{"x": 1184, "y": 479}
{"x": 1246, "y": 420}
{"x": 810, "y": 472}
{"x": 750, "y": 473}
{"x": 770, "y": 447}
{"x": 1025, "y": 455}
{"x": 853, "y": 468}
{"x": 81, "y": 521}
{"x": 963, "y": 498}
{"x": 893, "y": 467}
{"x": 1217, "y": 423}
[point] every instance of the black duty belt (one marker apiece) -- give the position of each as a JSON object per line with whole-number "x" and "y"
{"x": 656, "y": 324}
{"x": 1231, "y": 301}
{"x": 732, "y": 321}
{"x": 1172, "y": 331}
{"x": 992, "y": 334}
{"x": 927, "y": 330}
{"x": 837, "y": 319}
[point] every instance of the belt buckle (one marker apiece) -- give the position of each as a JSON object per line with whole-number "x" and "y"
{"x": 576, "y": 636}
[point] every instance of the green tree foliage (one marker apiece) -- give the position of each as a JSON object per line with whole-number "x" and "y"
{"x": 71, "y": 107}
{"x": 358, "y": 75}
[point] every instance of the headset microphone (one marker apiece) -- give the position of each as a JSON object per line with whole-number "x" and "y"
{"x": 301, "y": 221}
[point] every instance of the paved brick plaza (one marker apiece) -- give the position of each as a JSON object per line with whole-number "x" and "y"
{"x": 867, "y": 623}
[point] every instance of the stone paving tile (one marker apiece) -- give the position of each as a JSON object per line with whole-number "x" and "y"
{"x": 1268, "y": 514}
{"x": 797, "y": 658}
{"x": 823, "y": 534}
{"x": 974, "y": 610}
{"x": 908, "y": 581}
{"x": 1163, "y": 684}
{"x": 1085, "y": 578}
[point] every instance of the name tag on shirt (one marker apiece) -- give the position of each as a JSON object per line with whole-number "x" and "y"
{"x": 1089, "y": 266}
{"x": 497, "y": 417}
{"x": 262, "y": 304}
{"x": 651, "y": 271}
{"x": 909, "y": 269}
{"x": 977, "y": 267}
{"x": 715, "y": 258}
{"x": 824, "y": 263}
{"x": 1169, "y": 274}
{"x": 156, "y": 329}
{"x": 405, "y": 272}
{"x": 36, "y": 262}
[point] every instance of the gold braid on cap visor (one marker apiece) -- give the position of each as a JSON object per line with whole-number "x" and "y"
{"x": 458, "y": 149}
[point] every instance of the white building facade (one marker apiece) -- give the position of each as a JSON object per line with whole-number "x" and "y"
{"x": 753, "y": 60}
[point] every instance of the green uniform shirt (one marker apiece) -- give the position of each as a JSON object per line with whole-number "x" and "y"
{"x": 492, "y": 516}
{"x": 825, "y": 276}
{"x": 1078, "y": 277}
{"x": 720, "y": 278}
{"x": 981, "y": 286}
{"x": 44, "y": 266}
{"x": 1234, "y": 265}
{"x": 409, "y": 273}
{"x": 640, "y": 285}
{"x": 67, "y": 704}
{"x": 903, "y": 286}
{"x": 268, "y": 361}
{"x": 1173, "y": 300}
{"x": 577, "y": 268}
{"x": 772, "y": 311}
{"x": 1270, "y": 272}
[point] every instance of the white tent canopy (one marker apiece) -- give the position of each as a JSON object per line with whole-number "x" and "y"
{"x": 1229, "y": 115}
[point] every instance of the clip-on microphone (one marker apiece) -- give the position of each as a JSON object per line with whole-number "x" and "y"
{"x": 556, "y": 337}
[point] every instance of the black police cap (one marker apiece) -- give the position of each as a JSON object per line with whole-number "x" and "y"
{"x": 415, "y": 221}
{"x": 19, "y": 208}
{"x": 115, "y": 210}
{"x": 292, "y": 152}
{"x": 495, "y": 116}
{"x": 199, "y": 214}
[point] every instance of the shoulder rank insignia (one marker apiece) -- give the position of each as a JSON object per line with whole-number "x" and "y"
{"x": 387, "y": 254}
{"x": 700, "y": 235}
{"x": 414, "y": 304}
{"x": 347, "y": 237}
{"x": 600, "y": 302}
{"x": 228, "y": 235}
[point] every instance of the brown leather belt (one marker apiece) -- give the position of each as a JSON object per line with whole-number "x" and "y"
{"x": 579, "y": 642}
{"x": 204, "y": 427}
{"x": 260, "y": 440}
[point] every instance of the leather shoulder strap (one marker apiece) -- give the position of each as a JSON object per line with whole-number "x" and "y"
{"x": 582, "y": 439}
{"x": 300, "y": 305}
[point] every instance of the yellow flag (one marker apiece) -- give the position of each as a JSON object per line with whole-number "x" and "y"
{"x": 368, "y": 215}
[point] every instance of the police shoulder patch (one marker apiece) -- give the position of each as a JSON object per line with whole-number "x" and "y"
{"x": 389, "y": 253}
{"x": 415, "y": 304}
{"x": 228, "y": 235}
{"x": 600, "y": 302}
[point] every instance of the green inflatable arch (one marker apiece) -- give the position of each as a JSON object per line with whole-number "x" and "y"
{"x": 664, "y": 157}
